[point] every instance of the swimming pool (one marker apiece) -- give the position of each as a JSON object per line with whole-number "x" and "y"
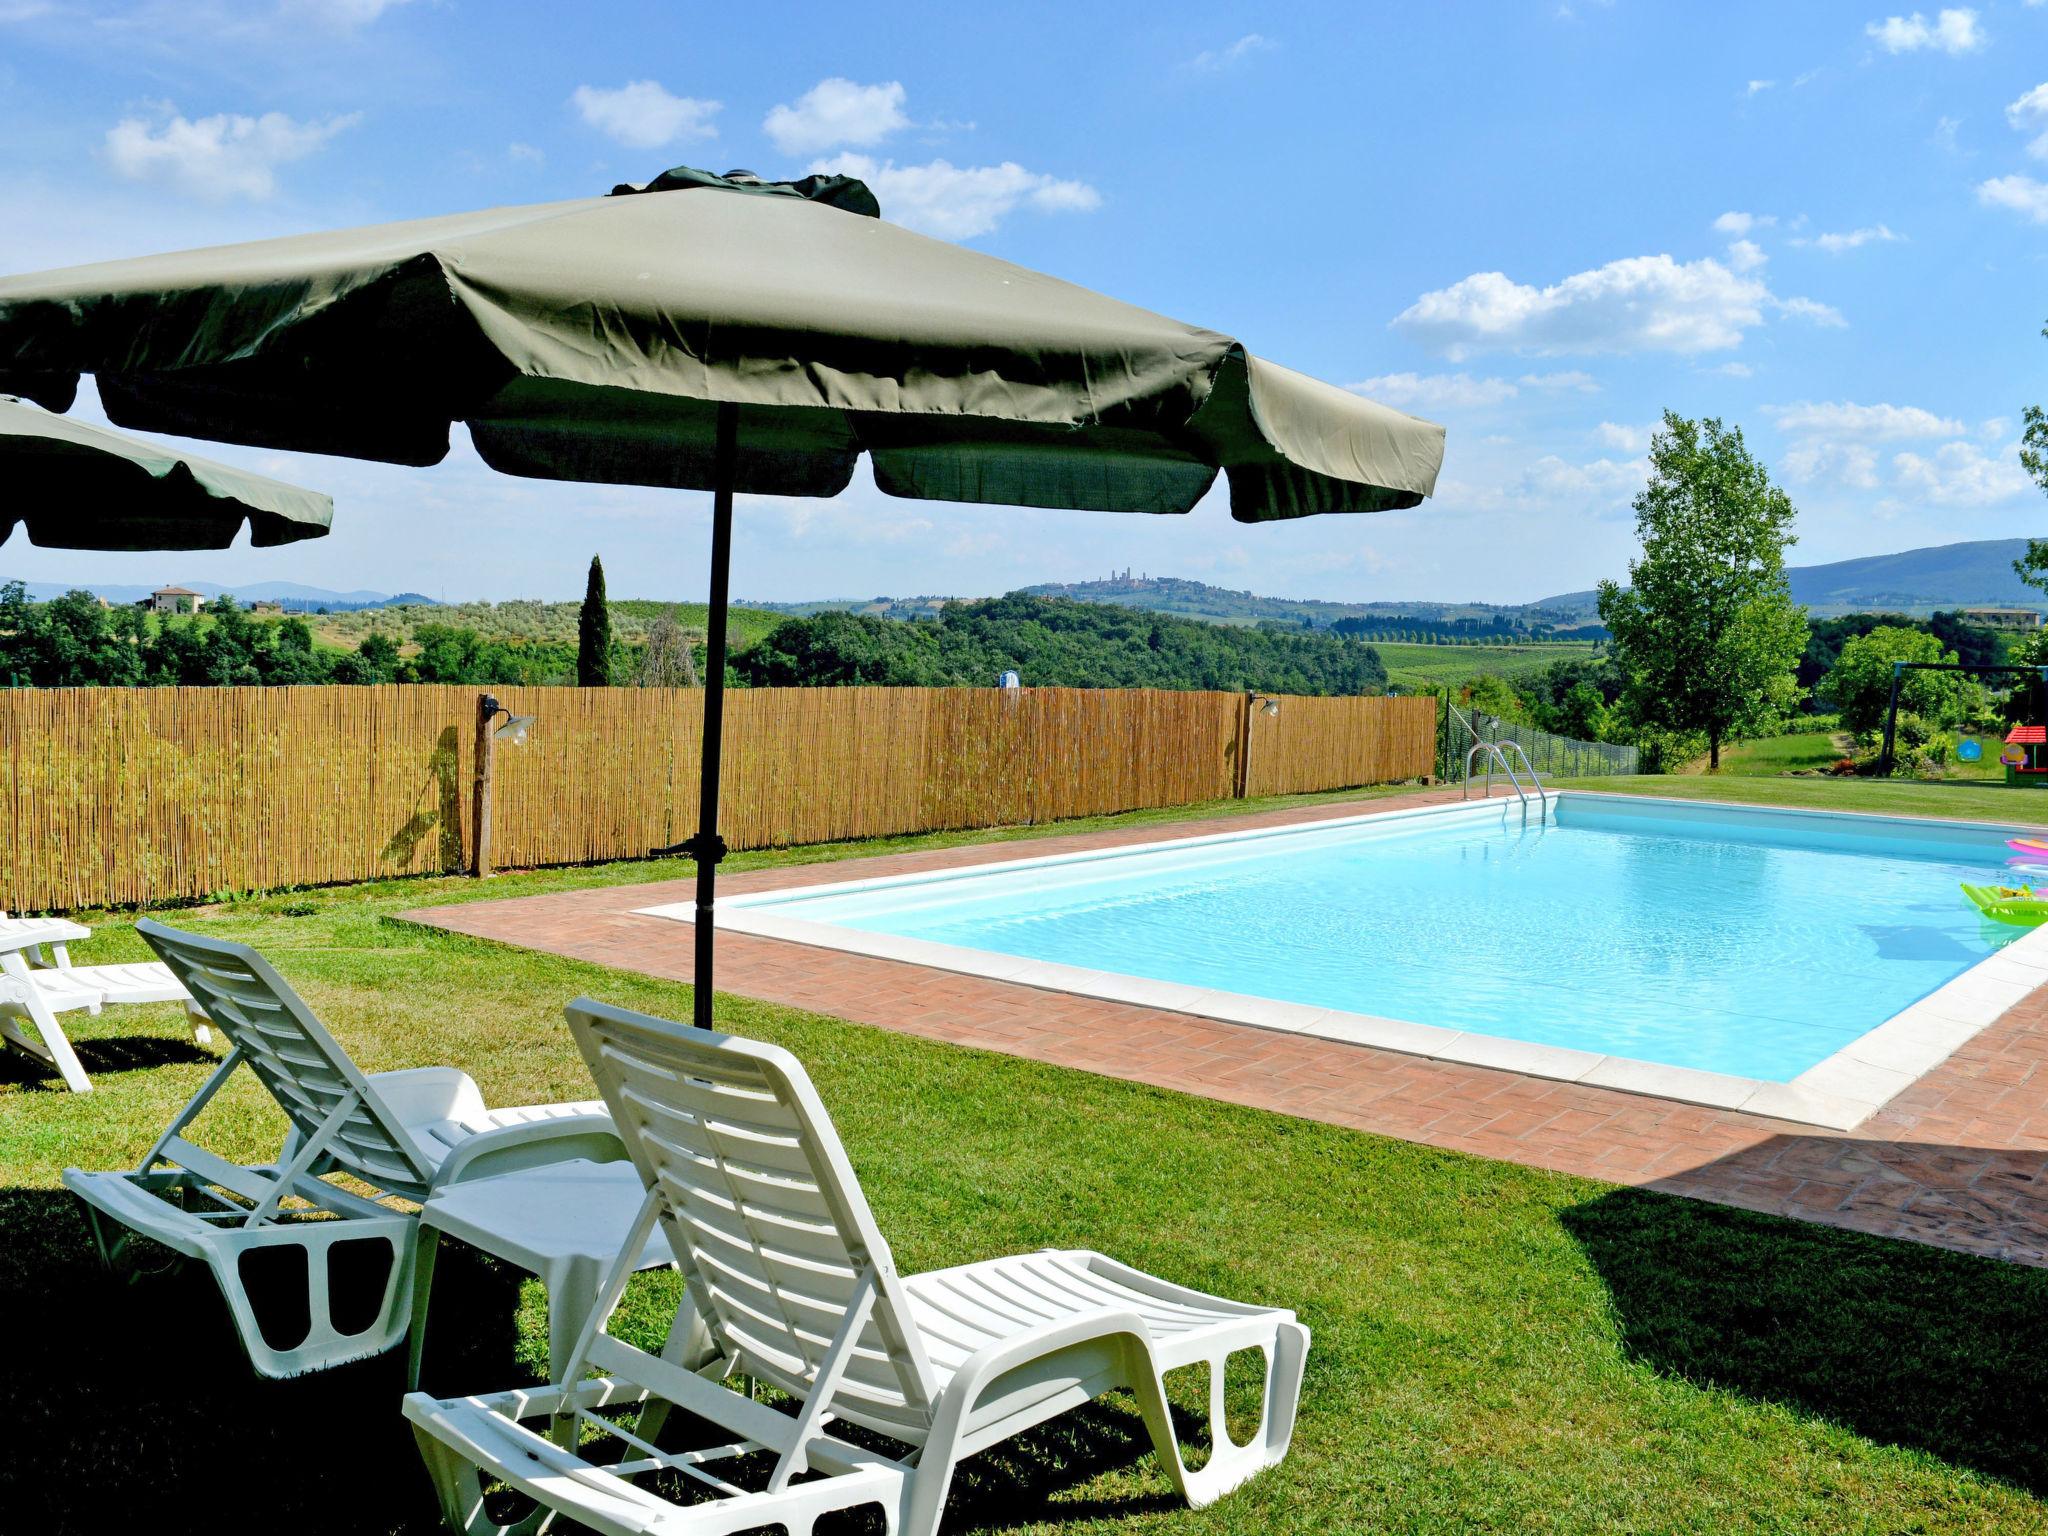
{"x": 1802, "y": 964}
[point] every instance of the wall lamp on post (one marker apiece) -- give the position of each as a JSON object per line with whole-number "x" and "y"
{"x": 1254, "y": 704}
{"x": 488, "y": 733}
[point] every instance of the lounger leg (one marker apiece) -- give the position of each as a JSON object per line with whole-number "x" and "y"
{"x": 689, "y": 1345}
{"x": 1229, "y": 1463}
{"x": 428, "y": 1247}
{"x": 54, "y": 1050}
{"x": 460, "y": 1488}
{"x": 202, "y": 1027}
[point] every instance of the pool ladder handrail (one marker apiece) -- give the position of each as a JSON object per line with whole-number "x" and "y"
{"x": 1495, "y": 753}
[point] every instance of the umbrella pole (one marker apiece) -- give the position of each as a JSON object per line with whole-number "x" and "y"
{"x": 707, "y": 847}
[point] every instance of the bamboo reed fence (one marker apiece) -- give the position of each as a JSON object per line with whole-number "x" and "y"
{"x": 115, "y": 796}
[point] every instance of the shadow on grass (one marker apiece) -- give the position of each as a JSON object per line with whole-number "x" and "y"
{"x": 106, "y": 1053}
{"x": 1904, "y": 1344}
{"x": 133, "y": 1399}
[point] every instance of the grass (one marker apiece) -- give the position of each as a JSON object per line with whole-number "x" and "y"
{"x": 1417, "y": 666}
{"x": 1777, "y": 754}
{"x": 1962, "y": 798}
{"x": 1496, "y": 1348}
{"x": 1805, "y": 751}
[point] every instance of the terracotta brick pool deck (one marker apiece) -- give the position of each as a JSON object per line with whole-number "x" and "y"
{"x": 1959, "y": 1159}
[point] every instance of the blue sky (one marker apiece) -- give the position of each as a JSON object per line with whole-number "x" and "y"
{"x": 1538, "y": 223}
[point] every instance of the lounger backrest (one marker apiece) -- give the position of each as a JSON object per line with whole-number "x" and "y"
{"x": 303, "y": 1066}
{"x": 762, "y": 1207}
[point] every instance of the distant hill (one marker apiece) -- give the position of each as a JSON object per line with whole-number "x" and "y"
{"x": 1223, "y": 605}
{"x": 1916, "y": 581}
{"x": 291, "y": 595}
{"x": 1055, "y": 643}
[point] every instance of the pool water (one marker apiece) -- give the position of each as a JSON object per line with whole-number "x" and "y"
{"x": 1748, "y": 942}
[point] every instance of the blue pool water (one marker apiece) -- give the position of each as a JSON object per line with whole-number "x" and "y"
{"x": 1747, "y": 942}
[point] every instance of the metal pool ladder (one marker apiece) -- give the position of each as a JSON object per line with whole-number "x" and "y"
{"x": 1495, "y": 753}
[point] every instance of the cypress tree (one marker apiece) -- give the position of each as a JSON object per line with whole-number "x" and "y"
{"x": 594, "y": 633}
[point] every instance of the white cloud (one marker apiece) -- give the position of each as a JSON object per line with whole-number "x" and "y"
{"x": 641, "y": 115}
{"x": 2031, "y": 111}
{"x": 1571, "y": 379}
{"x": 1603, "y": 484}
{"x": 957, "y": 202}
{"x": 1211, "y": 60}
{"x": 526, "y": 153}
{"x": 1849, "y": 240}
{"x": 2022, "y": 194}
{"x": 1811, "y": 309}
{"x": 1952, "y": 32}
{"x": 1638, "y": 304}
{"x": 1746, "y": 255}
{"x": 834, "y": 113}
{"x": 1837, "y": 440}
{"x": 1944, "y": 135}
{"x": 226, "y": 155}
{"x": 1873, "y": 423}
{"x": 1961, "y": 475}
{"x": 1435, "y": 391}
{"x": 1733, "y": 370}
{"x": 1757, "y": 86}
{"x": 1850, "y": 464}
{"x": 1738, "y": 224}
{"x": 1625, "y": 439}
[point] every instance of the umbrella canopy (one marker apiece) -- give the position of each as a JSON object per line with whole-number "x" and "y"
{"x": 707, "y": 332}
{"x": 77, "y": 486}
{"x": 591, "y": 340}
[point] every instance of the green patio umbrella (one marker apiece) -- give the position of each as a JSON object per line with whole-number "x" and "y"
{"x": 712, "y": 333}
{"x": 73, "y": 485}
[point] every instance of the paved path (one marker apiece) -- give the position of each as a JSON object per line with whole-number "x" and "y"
{"x": 1960, "y": 1159}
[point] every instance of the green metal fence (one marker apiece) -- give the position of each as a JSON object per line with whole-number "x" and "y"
{"x": 1552, "y": 756}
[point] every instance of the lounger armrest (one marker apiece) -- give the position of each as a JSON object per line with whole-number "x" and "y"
{"x": 420, "y": 1095}
{"x": 509, "y": 1148}
{"x": 1010, "y": 1385}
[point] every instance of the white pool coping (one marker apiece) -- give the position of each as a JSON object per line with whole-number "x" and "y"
{"x": 1838, "y": 1093}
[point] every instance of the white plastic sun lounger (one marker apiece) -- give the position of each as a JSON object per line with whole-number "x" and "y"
{"x": 794, "y": 1286}
{"x": 402, "y": 1134}
{"x": 38, "y": 982}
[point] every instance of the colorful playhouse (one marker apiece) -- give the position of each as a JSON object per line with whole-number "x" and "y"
{"x": 2026, "y": 755}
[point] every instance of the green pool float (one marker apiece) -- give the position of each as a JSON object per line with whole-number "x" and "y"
{"x": 2017, "y": 905}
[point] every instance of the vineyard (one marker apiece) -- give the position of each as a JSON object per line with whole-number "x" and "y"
{"x": 530, "y": 621}
{"x": 1424, "y": 666}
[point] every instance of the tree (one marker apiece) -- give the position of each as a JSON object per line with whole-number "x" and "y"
{"x": 2032, "y": 567}
{"x": 1583, "y": 713}
{"x": 665, "y": 660}
{"x": 378, "y": 657}
{"x": 594, "y": 633}
{"x": 1490, "y": 693}
{"x": 1706, "y": 633}
{"x": 1860, "y": 682}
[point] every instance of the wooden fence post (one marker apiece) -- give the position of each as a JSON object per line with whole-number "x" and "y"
{"x": 480, "y": 828}
{"x": 1244, "y": 743}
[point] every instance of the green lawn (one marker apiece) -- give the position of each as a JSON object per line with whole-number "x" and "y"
{"x": 1418, "y": 666}
{"x": 1808, "y": 750}
{"x": 1497, "y": 1349}
{"x": 1776, "y": 754}
{"x": 1970, "y": 800}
